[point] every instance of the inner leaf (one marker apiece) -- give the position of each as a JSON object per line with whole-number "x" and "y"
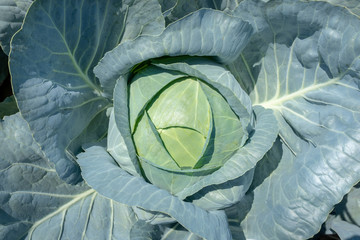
{"x": 144, "y": 86}
{"x": 183, "y": 104}
{"x": 150, "y": 146}
{"x": 184, "y": 145}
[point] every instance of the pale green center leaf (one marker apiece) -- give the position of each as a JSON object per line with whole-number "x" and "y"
{"x": 183, "y": 104}
{"x": 145, "y": 85}
{"x": 150, "y": 146}
{"x": 228, "y": 133}
{"x": 184, "y": 145}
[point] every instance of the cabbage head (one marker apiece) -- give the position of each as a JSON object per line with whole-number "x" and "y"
{"x": 179, "y": 119}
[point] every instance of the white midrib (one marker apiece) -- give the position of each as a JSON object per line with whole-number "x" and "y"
{"x": 277, "y": 102}
{"x": 77, "y": 198}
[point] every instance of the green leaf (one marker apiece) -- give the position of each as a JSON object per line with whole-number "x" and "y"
{"x": 218, "y": 77}
{"x": 58, "y": 93}
{"x": 349, "y": 208}
{"x": 353, "y": 6}
{"x": 150, "y": 146}
{"x": 184, "y": 145}
{"x": 245, "y": 158}
{"x": 144, "y": 86}
{"x": 178, "y": 232}
{"x": 117, "y": 147}
{"x": 112, "y": 182}
{"x": 345, "y": 230}
{"x": 220, "y": 196}
{"x": 345, "y": 218}
{"x": 37, "y": 204}
{"x": 183, "y": 104}
{"x": 177, "y": 9}
{"x": 144, "y": 230}
{"x": 231, "y": 107}
{"x": 159, "y": 176}
{"x": 12, "y": 13}
{"x": 174, "y": 10}
{"x": 228, "y": 133}
{"x": 305, "y": 66}
{"x": 143, "y": 18}
{"x": 179, "y": 38}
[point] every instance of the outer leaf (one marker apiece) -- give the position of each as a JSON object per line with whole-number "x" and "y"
{"x": 233, "y": 214}
{"x": 51, "y": 66}
{"x": 154, "y": 218}
{"x": 353, "y": 6}
{"x": 121, "y": 115}
{"x": 142, "y": 230}
{"x": 349, "y": 208}
{"x": 113, "y": 182}
{"x": 176, "y": 9}
{"x": 143, "y": 18}
{"x": 345, "y": 218}
{"x": 219, "y": 196}
{"x": 197, "y": 34}
{"x": 58, "y": 93}
{"x": 12, "y": 13}
{"x": 345, "y": 230}
{"x": 177, "y": 232}
{"x": 307, "y": 70}
{"x": 167, "y": 6}
{"x": 118, "y": 149}
{"x": 36, "y": 203}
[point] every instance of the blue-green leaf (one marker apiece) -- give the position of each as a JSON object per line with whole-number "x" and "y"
{"x": 35, "y": 203}
{"x": 349, "y": 208}
{"x": 176, "y": 9}
{"x": 118, "y": 149}
{"x": 345, "y": 218}
{"x": 143, "y": 18}
{"x": 102, "y": 173}
{"x": 178, "y": 232}
{"x": 353, "y": 6}
{"x": 143, "y": 230}
{"x": 197, "y": 34}
{"x": 121, "y": 117}
{"x": 12, "y": 13}
{"x": 307, "y": 70}
{"x": 51, "y": 66}
{"x": 345, "y": 230}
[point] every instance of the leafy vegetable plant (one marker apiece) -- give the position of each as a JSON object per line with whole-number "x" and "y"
{"x": 180, "y": 119}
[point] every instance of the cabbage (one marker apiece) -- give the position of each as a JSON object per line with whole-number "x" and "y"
{"x": 179, "y": 119}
